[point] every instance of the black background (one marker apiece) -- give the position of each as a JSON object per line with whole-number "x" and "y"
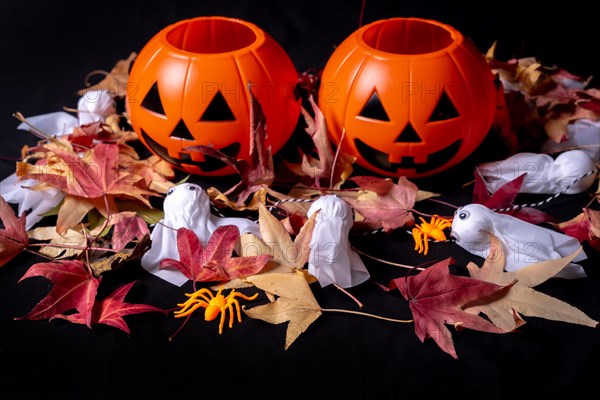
{"x": 46, "y": 50}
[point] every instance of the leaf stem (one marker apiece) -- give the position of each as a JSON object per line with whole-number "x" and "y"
{"x": 87, "y": 253}
{"x": 360, "y": 305}
{"x": 106, "y": 221}
{"x": 387, "y": 262}
{"x": 68, "y": 246}
{"x": 38, "y": 254}
{"x": 402, "y": 321}
{"x": 41, "y": 134}
{"x": 180, "y": 327}
{"x": 591, "y": 201}
{"x": 35, "y": 130}
{"x": 429, "y": 215}
{"x": 335, "y": 159}
{"x": 443, "y": 202}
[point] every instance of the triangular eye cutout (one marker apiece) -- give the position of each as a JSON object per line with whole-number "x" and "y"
{"x": 152, "y": 101}
{"x": 408, "y": 135}
{"x": 181, "y": 131}
{"x": 444, "y": 109}
{"x": 218, "y": 110}
{"x": 374, "y": 109}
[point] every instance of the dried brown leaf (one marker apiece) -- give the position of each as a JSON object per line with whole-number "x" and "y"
{"x": 295, "y": 303}
{"x": 71, "y": 237}
{"x": 114, "y": 81}
{"x": 521, "y": 297}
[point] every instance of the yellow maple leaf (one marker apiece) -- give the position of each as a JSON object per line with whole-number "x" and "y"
{"x": 295, "y": 303}
{"x": 288, "y": 255}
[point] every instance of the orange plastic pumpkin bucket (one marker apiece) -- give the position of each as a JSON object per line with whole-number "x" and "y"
{"x": 413, "y": 96}
{"x": 188, "y": 87}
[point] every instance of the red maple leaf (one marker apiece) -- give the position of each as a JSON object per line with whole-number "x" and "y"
{"x": 93, "y": 180}
{"x": 215, "y": 261}
{"x": 127, "y": 226}
{"x": 504, "y": 198}
{"x": 391, "y": 205}
{"x": 94, "y": 175}
{"x": 320, "y": 167}
{"x": 74, "y": 287}
{"x": 13, "y": 238}
{"x": 584, "y": 227}
{"x": 112, "y": 309}
{"x": 437, "y": 297}
{"x": 257, "y": 173}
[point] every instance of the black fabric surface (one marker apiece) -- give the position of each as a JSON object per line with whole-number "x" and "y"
{"x": 48, "y": 47}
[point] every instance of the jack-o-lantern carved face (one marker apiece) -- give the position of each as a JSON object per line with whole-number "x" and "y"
{"x": 412, "y": 97}
{"x": 189, "y": 86}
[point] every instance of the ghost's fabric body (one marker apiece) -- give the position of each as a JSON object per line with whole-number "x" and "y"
{"x": 545, "y": 175}
{"x": 16, "y": 191}
{"x": 186, "y": 206}
{"x": 583, "y": 134}
{"x": 94, "y": 106}
{"x": 53, "y": 124}
{"x": 332, "y": 259}
{"x": 523, "y": 243}
{"x": 33, "y": 202}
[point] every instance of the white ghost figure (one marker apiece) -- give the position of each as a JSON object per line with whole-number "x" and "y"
{"x": 94, "y": 106}
{"x": 583, "y": 133}
{"x": 332, "y": 259}
{"x": 545, "y": 174}
{"x": 523, "y": 243}
{"x": 16, "y": 191}
{"x": 57, "y": 123}
{"x": 186, "y": 206}
{"x": 34, "y": 202}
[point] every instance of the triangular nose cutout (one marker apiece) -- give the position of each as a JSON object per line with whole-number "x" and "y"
{"x": 152, "y": 101}
{"x": 374, "y": 109}
{"x": 181, "y": 131}
{"x": 408, "y": 135}
{"x": 218, "y": 110}
{"x": 444, "y": 109}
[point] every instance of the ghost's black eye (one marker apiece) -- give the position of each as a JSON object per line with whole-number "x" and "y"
{"x": 170, "y": 191}
{"x": 192, "y": 188}
{"x": 464, "y": 214}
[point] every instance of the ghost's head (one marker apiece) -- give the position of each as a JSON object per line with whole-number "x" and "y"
{"x": 570, "y": 165}
{"x": 471, "y": 224}
{"x": 331, "y": 206}
{"x": 186, "y": 202}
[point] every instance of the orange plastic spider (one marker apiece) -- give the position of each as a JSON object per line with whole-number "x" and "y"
{"x": 214, "y": 305}
{"x": 434, "y": 229}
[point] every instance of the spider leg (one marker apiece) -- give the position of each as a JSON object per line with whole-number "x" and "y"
{"x": 444, "y": 223}
{"x": 243, "y": 296}
{"x": 222, "y": 322}
{"x": 417, "y": 236}
{"x": 193, "y": 297}
{"x": 203, "y": 293}
{"x": 237, "y": 308}
{"x": 187, "y": 310}
{"x": 206, "y": 298}
{"x": 426, "y": 243}
{"x": 231, "y": 318}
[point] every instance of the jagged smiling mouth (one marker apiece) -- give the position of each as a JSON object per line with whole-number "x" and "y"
{"x": 381, "y": 160}
{"x": 211, "y": 163}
